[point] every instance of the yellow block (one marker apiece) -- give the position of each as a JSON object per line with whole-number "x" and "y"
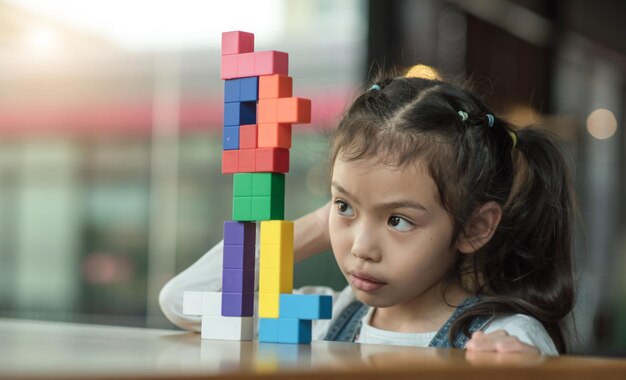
{"x": 278, "y": 257}
{"x": 269, "y": 305}
{"x": 275, "y": 281}
{"x": 277, "y": 232}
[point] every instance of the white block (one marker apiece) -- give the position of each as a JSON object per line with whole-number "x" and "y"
{"x": 227, "y": 328}
{"x": 192, "y": 303}
{"x": 212, "y": 304}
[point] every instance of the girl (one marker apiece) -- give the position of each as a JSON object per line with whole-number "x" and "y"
{"x": 452, "y": 228}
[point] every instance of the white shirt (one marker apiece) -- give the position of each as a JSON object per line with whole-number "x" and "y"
{"x": 206, "y": 275}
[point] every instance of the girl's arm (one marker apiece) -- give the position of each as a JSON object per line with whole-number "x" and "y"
{"x": 311, "y": 234}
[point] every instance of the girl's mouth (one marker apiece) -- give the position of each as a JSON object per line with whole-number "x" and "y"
{"x": 365, "y": 283}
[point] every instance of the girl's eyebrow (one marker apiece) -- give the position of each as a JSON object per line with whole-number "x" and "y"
{"x": 394, "y": 204}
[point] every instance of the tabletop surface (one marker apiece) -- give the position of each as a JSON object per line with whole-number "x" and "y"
{"x": 32, "y": 349}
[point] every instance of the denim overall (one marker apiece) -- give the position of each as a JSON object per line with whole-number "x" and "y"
{"x": 348, "y": 324}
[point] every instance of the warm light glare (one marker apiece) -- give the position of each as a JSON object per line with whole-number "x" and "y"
{"x": 41, "y": 41}
{"x": 601, "y": 124}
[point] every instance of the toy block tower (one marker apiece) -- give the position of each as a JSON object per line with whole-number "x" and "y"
{"x": 259, "y": 111}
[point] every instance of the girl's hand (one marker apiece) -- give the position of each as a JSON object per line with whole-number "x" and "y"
{"x": 498, "y": 341}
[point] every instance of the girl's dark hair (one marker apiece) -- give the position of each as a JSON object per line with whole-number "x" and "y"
{"x": 526, "y": 266}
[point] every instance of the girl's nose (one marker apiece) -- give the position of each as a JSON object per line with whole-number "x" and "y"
{"x": 365, "y": 245}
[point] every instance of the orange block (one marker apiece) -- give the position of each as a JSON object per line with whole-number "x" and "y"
{"x": 273, "y": 135}
{"x": 247, "y": 160}
{"x": 248, "y": 136}
{"x": 230, "y": 161}
{"x": 293, "y": 110}
{"x": 275, "y": 86}
{"x": 266, "y": 110}
{"x": 271, "y": 160}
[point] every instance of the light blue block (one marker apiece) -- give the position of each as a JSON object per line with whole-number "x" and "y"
{"x": 268, "y": 330}
{"x": 295, "y": 331}
{"x": 306, "y": 306}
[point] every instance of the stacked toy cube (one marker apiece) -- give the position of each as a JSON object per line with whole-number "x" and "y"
{"x": 259, "y": 111}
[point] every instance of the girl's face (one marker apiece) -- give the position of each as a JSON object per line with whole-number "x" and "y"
{"x": 389, "y": 233}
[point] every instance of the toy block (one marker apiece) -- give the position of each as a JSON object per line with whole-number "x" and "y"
{"x": 271, "y": 62}
{"x": 238, "y": 280}
{"x": 274, "y": 160}
{"x": 276, "y": 232}
{"x": 268, "y": 330}
{"x": 237, "y": 233}
{"x": 245, "y": 65}
{"x": 237, "y": 42}
{"x": 192, "y": 303}
{"x": 238, "y": 257}
{"x": 212, "y": 303}
{"x": 276, "y": 257}
{"x": 268, "y": 184}
{"x": 293, "y": 110}
{"x": 232, "y": 90}
{"x": 230, "y": 139}
{"x": 247, "y": 160}
{"x": 267, "y": 208}
{"x": 267, "y": 110}
{"x": 227, "y": 328}
{"x": 237, "y": 304}
{"x": 229, "y": 67}
{"x": 306, "y": 306}
{"x": 273, "y": 135}
{"x": 275, "y": 86}
{"x": 273, "y": 281}
{"x": 248, "y": 136}
{"x": 268, "y": 305}
{"x": 249, "y": 90}
{"x": 230, "y": 161}
{"x": 242, "y": 184}
{"x": 294, "y": 331}
{"x": 242, "y": 209}
{"x": 239, "y": 113}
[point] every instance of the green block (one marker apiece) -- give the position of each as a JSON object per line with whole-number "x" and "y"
{"x": 268, "y": 185}
{"x": 242, "y": 209}
{"x": 242, "y": 185}
{"x": 268, "y": 208}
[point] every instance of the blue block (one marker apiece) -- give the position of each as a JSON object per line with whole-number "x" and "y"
{"x": 249, "y": 89}
{"x": 239, "y": 113}
{"x": 294, "y": 331}
{"x": 232, "y": 90}
{"x": 230, "y": 139}
{"x": 268, "y": 330}
{"x": 305, "y": 306}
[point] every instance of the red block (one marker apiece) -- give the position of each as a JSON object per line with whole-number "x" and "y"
{"x": 245, "y": 65}
{"x": 229, "y": 66}
{"x": 274, "y": 160}
{"x": 275, "y": 86}
{"x": 247, "y": 160}
{"x": 237, "y": 42}
{"x": 273, "y": 135}
{"x": 293, "y": 110}
{"x": 266, "y": 111}
{"x": 248, "y": 136}
{"x": 230, "y": 161}
{"x": 271, "y": 62}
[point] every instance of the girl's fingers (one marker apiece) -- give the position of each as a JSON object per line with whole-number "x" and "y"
{"x": 498, "y": 341}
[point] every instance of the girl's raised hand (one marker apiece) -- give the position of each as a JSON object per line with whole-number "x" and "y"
{"x": 498, "y": 341}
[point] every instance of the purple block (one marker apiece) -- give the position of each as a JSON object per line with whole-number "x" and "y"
{"x": 239, "y": 233}
{"x": 238, "y": 257}
{"x": 237, "y": 304}
{"x": 238, "y": 280}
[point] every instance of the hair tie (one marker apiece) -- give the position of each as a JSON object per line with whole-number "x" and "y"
{"x": 490, "y": 120}
{"x": 513, "y": 138}
{"x": 463, "y": 115}
{"x": 375, "y": 87}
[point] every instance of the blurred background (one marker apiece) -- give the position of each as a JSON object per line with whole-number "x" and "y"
{"x": 110, "y": 132}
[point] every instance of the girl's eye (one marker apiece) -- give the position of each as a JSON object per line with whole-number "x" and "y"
{"x": 399, "y": 223}
{"x": 344, "y": 209}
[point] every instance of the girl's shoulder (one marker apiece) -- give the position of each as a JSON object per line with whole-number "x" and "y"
{"x": 527, "y": 329}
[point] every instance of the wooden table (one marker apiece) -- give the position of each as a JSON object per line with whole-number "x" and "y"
{"x": 50, "y": 350}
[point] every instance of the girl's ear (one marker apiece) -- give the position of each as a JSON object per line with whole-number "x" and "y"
{"x": 480, "y": 228}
